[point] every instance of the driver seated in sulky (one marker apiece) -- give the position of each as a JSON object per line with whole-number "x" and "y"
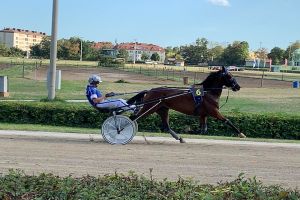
{"x": 97, "y": 99}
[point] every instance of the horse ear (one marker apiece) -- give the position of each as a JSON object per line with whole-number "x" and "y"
{"x": 223, "y": 69}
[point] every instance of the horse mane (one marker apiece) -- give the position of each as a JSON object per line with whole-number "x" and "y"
{"x": 210, "y": 78}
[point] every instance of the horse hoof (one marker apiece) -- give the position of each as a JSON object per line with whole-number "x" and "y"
{"x": 241, "y": 135}
{"x": 181, "y": 140}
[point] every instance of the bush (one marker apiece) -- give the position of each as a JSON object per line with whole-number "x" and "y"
{"x": 83, "y": 115}
{"x": 17, "y": 185}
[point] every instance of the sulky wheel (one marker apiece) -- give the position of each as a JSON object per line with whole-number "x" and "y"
{"x": 118, "y": 129}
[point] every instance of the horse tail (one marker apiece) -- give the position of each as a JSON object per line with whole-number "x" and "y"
{"x": 138, "y": 98}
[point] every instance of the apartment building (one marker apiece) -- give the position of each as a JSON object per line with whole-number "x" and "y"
{"x": 135, "y": 50}
{"x": 19, "y": 38}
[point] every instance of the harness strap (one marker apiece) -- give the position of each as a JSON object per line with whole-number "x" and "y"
{"x": 226, "y": 99}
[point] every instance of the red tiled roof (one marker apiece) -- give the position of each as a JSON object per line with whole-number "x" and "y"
{"x": 139, "y": 46}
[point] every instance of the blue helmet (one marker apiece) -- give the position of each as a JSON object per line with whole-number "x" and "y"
{"x": 94, "y": 79}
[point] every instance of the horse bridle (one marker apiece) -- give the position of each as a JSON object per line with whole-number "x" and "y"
{"x": 232, "y": 81}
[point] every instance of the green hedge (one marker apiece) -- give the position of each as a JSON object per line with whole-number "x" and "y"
{"x": 82, "y": 115}
{"x": 17, "y": 185}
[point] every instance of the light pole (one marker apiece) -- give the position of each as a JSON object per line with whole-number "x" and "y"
{"x": 134, "y": 55}
{"x": 290, "y": 51}
{"x": 53, "y": 52}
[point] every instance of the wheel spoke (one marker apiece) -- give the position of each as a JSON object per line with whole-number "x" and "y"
{"x": 118, "y": 129}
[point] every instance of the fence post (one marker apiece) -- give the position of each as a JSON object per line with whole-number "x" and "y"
{"x": 262, "y": 78}
{"x": 173, "y": 75}
{"x": 23, "y": 74}
{"x": 167, "y": 74}
{"x": 35, "y": 70}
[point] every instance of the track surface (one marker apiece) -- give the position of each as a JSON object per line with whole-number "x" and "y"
{"x": 203, "y": 160}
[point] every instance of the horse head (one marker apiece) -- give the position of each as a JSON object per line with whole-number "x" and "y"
{"x": 229, "y": 80}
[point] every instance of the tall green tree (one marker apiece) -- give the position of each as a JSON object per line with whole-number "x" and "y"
{"x": 196, "y": 53}
{"x": 45, "y": 47}
{"x": 215, "y": 54}
{"x": 236, "y": 53}
{"x": 277, "y": 55}
{"x": 88, "y": 52}
{"x": 41, "y": 50}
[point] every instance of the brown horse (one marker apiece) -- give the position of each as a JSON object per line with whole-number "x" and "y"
{"x": 160, "y": 100}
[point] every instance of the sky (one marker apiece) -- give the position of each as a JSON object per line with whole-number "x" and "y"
{"x": 262, "y": 23}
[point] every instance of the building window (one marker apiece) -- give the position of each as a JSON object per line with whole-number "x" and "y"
{"x": 26, "y": 39}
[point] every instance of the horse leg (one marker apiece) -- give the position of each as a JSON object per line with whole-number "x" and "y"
{"x": 203, "y": 124}
{"x": 218, "y": 115}
{"x": 163, "y": 112}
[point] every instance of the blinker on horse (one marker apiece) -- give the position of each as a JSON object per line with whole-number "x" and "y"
{"x": 161, "y": 100}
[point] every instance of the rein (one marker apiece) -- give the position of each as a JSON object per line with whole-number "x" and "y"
{"x": 226, "y": 99}
{"x": 163, "y": 88}
{"x": 163, "y": 98}
{"x": 184, "y": 91}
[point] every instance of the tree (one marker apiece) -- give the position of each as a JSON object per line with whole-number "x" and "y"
{"x": 277, "y": 55}
{"x": 41, "y": 50}
{"x": 197, "y": 53}
{"x": 144, "y": 56}
{"x": 291, "y": 48}
{"x": 3, "y": 50}
{"x": 261, "y": 53}
{"x": 236, "y": 53}
{"x": 45, "y": 47}
{"x": 16, "y": 52}
{"x": 68, "y": 49}
{"x": 172, "y": 52}
{"x": 88, "y": 52}
{"x": 155, "y": 56}
{"x": 122, "y": 53}
{"x": 215, "y": 54}
{"x": 36, "y": 51}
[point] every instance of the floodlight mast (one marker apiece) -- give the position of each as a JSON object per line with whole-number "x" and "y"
{"x": 53, "y": 52}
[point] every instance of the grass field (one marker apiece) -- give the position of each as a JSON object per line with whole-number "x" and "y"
{"x": 258, "y": 100}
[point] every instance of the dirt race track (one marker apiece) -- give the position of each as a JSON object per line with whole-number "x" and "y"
{"x": 111, "y": 74}
{"x": 203, "y": 160}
